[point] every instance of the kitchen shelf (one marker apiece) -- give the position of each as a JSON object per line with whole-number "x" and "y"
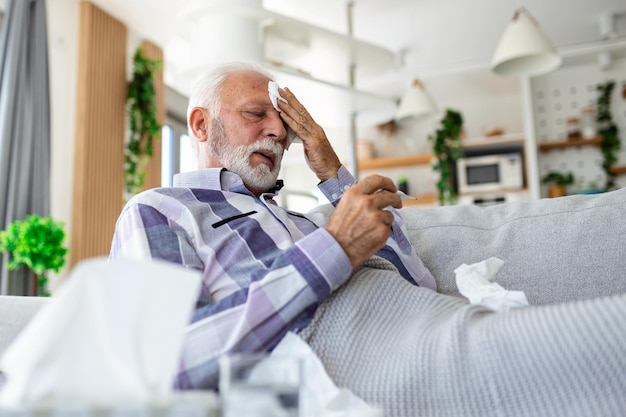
{"x": 618, "y": 169}
{"x": 394, "y": 162}
{"x": 548, "y": 146}
{"x": 493, "y": 141}
{"x": 495, "y": 192}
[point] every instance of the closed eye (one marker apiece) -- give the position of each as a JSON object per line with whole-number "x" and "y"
{"x": 253, "y": 115}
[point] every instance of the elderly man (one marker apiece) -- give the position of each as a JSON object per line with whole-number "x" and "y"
{"x": 265, "y": 269}
{"x": 349, "y": 283}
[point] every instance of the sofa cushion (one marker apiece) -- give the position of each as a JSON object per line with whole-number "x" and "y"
{"x": 555, "y": 250}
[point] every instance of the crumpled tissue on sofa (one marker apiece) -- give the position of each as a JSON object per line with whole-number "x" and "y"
{"x": 475, "y": 283}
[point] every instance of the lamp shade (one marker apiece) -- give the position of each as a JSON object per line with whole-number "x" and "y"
{"x": 415, "y": 103}
{"x": 524, "y": 50}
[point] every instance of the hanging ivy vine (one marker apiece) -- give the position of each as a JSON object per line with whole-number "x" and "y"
{"x": 447, "y": 148}
{"x": 611, "y": 143}
{"x": 142, "y": 121}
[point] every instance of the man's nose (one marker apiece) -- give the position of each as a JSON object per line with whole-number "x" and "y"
{"x": 276, "y": 128}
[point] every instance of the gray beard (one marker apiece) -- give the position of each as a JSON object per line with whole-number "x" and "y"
{"x": 236, "y": 158}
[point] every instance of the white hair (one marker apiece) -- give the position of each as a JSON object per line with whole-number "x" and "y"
{"x": 207, "y": 91}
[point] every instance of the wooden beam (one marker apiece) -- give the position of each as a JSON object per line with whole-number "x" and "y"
{"x": 100, "y": 132}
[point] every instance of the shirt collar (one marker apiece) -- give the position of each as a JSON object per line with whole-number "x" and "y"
{"x": 209, "y": 178}
{"x": 215, "y": 179}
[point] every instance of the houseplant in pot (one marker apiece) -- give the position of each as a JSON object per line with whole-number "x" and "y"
{"x": 559, "y": 181}
{"x": 37, "y": 244}
{"x": 447, "y": 148}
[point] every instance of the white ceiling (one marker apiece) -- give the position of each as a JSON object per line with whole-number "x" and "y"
{"x": 430, "y": 38}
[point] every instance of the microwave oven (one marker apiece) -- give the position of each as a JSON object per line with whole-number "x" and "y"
{"x": 490, "y": 172}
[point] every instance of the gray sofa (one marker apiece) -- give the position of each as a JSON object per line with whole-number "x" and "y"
{"x": 555, "y": 250}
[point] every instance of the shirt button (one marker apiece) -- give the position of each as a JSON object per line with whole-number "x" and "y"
{"x": 233, "y": 180}
{"x": 346, "y": 187}
{"x": 334, "y": 196}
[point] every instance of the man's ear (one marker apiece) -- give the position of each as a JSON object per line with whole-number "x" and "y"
{"x": 199, "y": 122}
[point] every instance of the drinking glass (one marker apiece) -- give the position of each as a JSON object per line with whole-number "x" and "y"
{"x": 260, "y": 385}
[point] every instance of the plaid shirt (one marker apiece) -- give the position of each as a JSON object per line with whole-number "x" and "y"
{"x": 265, "y": 269}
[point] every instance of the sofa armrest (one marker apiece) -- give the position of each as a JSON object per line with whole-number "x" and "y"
{"x": 555, "y": 250}
{"x": 15, "y": 313}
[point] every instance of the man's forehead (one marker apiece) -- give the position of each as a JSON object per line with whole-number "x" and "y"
{"x": 246, "y": 80}
{"x": 246, "y": 86}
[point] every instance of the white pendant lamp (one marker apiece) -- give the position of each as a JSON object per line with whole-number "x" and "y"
{"x": 524, "y": 50}
{"x": 415, "y": 103}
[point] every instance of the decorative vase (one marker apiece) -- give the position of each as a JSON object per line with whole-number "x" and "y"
{"x": 557, "y": 191}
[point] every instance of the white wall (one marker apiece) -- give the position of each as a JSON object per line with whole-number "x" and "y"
{"x": 63, "y": 23}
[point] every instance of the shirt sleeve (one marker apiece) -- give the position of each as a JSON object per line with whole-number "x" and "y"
{"x": 399, "y": 250}
{"x": 255, "y": 318}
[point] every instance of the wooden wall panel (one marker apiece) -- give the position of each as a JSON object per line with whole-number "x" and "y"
{"x": 100, "y": 132}
{"x": 153, "y": 170}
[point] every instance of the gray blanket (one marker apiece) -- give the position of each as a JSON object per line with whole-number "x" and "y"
{"x": 415, "y": 352}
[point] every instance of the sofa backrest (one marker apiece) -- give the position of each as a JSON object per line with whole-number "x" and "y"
{"x": 555, "y": 250}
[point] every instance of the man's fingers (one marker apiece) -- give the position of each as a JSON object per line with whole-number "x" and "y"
{"x": 388, "y": 218}
{"x": 293, "y": 107}
{"x": 374, "y": 183}
{"x": 386, "y": 198}
{"x": 294, "y": 113}
{"x": 382, "y": 191}
{"x": 381, "y": 188}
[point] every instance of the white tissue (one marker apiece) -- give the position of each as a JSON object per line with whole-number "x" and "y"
{"x": 272, "y": 89}
{"x": 110, "y": 335}
{"x": 474, "y": 282}
{"x": 320, "y": 396}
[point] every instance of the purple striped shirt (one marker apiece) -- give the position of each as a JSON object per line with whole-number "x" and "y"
{"x": 265, "y": 269}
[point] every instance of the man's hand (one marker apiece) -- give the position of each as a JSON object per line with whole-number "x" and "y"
{"x": 360, "y": 222}
{"x": 318, "y": 151}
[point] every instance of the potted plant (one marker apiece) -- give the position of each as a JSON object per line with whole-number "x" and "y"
{"x": 447, "y": 148}
{"x": 559, "y": 183}
{"x": 36, "y": 243}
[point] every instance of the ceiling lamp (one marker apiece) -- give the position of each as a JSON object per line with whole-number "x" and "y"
{"x": 415, "y": 103}
{"x": 524, "y": 50}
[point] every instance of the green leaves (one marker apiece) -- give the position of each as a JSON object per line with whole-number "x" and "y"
{"x": 611, "y": 143}
{"x": 36, "y": 243}
{"x": 447, "y": 148}
{"x": 142, "y": 121}
{"x": 558, "y": 178}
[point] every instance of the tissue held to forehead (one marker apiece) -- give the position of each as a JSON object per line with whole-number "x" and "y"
{"x": 272, "y": 89}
